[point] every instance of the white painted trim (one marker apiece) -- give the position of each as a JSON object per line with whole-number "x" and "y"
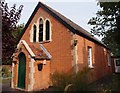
{"x": 90, "y": 65}
{"x": 37, "y": 32}
{"x": 74, "y": 54}
{"x": 47, "y": 19}
{"x": 19, "y": 45}
{"x": 72, "y": 50}
{"x": 31, "y": 32}
{"x": 43, "y": 27}
{"x": 45, "y": 50}
{"x": 44, "y": 30}
{"x": 12, "y": 82}
{"x": 44, "y": 62}
{"x": 31, "y": 75}
{"x": 26, "y": 46}
{"x": 76, "y": 59}
{"x": 117, "y": 68}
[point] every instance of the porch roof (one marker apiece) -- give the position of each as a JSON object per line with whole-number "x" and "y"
{"x": 38, "y": 52}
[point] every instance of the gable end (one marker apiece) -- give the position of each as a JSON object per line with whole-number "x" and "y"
{"x": 63, "y": 20}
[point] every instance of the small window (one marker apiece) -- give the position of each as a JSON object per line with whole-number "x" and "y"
{"x": 34, "y": 33}
{"x": 47, "y": 30}
{"x": 117, "y": 62}
{"x": 90, "y": 57}
{"x": 40, "y": 30}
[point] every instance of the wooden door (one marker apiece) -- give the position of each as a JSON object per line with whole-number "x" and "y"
{"x": 21, "y": 70}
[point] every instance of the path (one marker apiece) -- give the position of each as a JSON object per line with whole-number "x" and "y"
{"x": 6, "y": 87}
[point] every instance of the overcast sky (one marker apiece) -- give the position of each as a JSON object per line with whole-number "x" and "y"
{"x": 79, "y": 11}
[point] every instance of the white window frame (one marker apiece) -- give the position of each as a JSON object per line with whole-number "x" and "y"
{"x": 117, "y": 68}
{"x": 38, "y": 28}
{"x": 36, "y": 32}
{"x": 90, "y": 64}
{"x": 45, "y": 30}
{"x": 31, "y": 33}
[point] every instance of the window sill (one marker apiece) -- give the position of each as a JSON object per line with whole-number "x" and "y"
{"x": 42, "y": 42}
{"x": 90, "y": 66}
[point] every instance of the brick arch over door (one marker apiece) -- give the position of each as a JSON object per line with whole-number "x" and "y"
{"x": 21, "y": 70}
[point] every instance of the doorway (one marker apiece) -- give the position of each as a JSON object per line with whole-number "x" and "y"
{"x": 21, "y": 70}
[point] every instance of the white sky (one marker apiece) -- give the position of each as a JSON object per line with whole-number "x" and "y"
{"x": 79, "y": 11}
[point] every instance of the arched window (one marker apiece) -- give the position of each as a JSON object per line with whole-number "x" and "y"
{"x": 34, "y": 33}
{"x": 40, "y": 30}
{"x": 47, "y": 30}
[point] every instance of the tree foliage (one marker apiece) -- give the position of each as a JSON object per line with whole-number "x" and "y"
{"x": 10, "y": 18}
{"x": 106, "y": 23}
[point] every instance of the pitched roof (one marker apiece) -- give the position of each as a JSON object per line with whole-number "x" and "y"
{"x": 38, "y": 52}
{"x": 65, "y": 21}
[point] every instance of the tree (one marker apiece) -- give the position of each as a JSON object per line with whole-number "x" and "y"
{"x": 10, "y": 18}
{"x": 107, "y": 24}
{"x": 18, "y": 31}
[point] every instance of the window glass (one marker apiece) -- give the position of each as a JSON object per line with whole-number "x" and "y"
{"x": 41, "y": 30}
{"x": 34, "y": 33}
{"x": 118, "y": 62}
{"x": 89, "y": 56}
{"x": 47, "y": 30}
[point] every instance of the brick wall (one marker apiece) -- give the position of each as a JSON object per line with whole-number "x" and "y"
{"x": 15, "y": 68}
{"x": 42, "y": 78}
{"x": 60, "y": 48}
{"x": 99, "y": 58}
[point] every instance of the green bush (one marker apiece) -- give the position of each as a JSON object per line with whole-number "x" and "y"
{"x": 78, "y": 80}
{"x": 116, "y": 82}
{"x": 60, "y": 80}
{"x": 5, "y": 72}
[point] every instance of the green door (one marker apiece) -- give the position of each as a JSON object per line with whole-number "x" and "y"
{"x": 21, "y": 70}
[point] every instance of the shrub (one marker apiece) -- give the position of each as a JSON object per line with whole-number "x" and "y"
{"x": 116, "y": 82}
{"x": 78, "y": 80}
{"x": 5, "y": 72}
{"x": 60, "y": 80}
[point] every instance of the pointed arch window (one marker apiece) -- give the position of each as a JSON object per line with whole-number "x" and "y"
{"x": 34, "y": 33}
{"x": 40, "y": 30}
{"x": 47, "y": 37}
